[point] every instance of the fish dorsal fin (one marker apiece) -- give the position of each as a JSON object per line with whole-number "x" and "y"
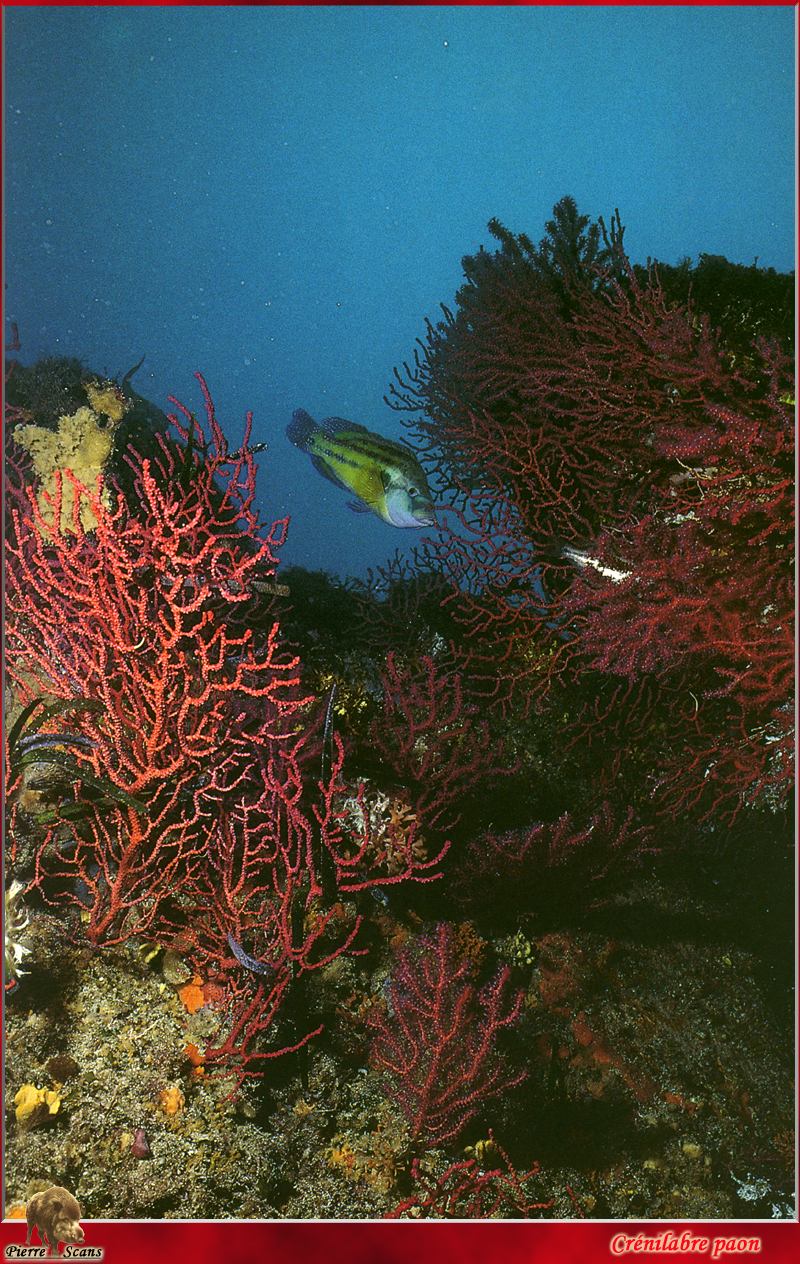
{"x": 335, "y": 425}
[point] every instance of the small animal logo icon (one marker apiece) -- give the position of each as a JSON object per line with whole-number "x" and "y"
{"x": 56, "y": 1214}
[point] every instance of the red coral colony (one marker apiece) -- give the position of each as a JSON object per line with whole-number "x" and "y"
{"x": 569, "y": 722}
{"x": 436, "y": 1043}
{"x": 205, "y": 836}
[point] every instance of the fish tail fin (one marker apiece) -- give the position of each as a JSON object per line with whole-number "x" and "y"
{"x": 557, "y": 549}
{"x": 301, "y": 429}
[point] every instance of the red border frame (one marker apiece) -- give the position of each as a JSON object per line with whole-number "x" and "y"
{"x": 473, "y": 1242}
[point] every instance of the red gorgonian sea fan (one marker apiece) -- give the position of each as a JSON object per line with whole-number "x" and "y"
{"x": 434, "y": 741}
{"x": 468, "y": 1191}
{"x": 437, "y": 1043}
{"x": 617, "y": 422}
{"x": 528, "y": 867}
{"x": 215, "y": 821}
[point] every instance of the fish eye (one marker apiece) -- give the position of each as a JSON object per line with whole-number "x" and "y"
{"x": 412, "y": 491}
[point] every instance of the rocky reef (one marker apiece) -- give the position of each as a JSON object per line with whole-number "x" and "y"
{"x": 464, "y": 892}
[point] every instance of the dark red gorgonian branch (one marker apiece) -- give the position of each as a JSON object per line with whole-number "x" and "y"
{"x": 436, "y": 1045}
{"x": 617, "y": 424}
{"x": 522, "y": 868}
{"x": 466, "y": 1191}
{"x": 433, "y": 741}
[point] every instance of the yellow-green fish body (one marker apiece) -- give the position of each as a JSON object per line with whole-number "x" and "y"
{"x": 385, "y": 476}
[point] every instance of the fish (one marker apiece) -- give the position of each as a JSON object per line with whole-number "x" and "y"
{"x": 249, "y": 963}
{"x": 583, "y": 560}
{"x": 57, "y": 741}
{"x": 385, "y": 476}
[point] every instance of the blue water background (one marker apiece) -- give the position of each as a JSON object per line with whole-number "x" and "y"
{"x": 279, "y": 196}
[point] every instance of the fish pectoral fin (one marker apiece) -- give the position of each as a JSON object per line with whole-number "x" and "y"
{"x": 358, "y": 506}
